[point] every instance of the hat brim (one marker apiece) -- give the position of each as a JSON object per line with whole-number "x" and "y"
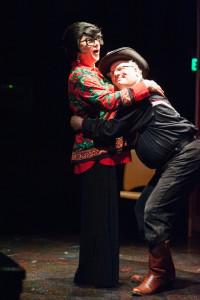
{"x": 124, "y": 53}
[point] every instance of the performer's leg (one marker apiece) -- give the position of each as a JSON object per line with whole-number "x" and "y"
{"x": 141, "y": 202}
{"x": 139, "y": 212}
{"x": 99, "y": 247}
{"x": 162, "y": 207}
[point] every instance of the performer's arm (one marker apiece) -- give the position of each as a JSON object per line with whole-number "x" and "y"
{"x": 105, "y": 131}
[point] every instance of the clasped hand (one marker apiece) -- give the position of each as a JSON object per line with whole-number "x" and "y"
{"x": 76, "y": 122}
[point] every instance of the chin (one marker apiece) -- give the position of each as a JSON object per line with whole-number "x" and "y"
{"x": 96, "y": 57}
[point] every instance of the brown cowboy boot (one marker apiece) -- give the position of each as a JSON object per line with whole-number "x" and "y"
{"x": 161, "y": 273}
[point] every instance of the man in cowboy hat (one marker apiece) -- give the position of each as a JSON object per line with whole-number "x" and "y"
{"x": 166, "y": 142}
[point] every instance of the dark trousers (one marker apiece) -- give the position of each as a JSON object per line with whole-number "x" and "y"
{"x": 163, "y": 198}
{"x": 99, "y": 246}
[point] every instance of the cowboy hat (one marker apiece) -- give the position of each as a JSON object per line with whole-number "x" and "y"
{"x": 124, "y": 53}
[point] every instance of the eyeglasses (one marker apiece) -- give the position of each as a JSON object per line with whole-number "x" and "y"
{"x": 120, "y": 69}
{"x": 91, "y": 41}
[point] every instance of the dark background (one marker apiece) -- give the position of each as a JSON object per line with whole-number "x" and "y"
{"x": 39, "y": 192}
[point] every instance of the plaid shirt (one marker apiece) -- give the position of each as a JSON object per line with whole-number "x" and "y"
{"x": 91, "y": 95}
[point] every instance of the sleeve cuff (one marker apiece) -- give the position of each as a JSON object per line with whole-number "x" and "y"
{"x": 85, "y": 126}
{"x": 140, "y": 91}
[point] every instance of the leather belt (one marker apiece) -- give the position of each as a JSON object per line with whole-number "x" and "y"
{"x": 185, "y": 142}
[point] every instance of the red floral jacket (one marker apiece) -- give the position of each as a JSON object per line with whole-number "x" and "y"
{"x": 91, "y": 95}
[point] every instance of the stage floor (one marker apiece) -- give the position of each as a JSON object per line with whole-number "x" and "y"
{"x": 50, "y": 263}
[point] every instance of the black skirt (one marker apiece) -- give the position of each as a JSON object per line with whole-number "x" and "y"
{"x": 99, "y": 244}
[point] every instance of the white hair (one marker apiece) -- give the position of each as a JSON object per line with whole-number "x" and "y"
{"x": 134, "y": 64}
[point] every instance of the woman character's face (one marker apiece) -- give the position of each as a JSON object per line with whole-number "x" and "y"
{"x": 89, "y": 50}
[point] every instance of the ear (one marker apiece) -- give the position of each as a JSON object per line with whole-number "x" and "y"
{"x": 136, "y": 71}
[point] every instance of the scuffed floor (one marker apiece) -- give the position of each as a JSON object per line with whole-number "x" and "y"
{"x": 50, "y": 264}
